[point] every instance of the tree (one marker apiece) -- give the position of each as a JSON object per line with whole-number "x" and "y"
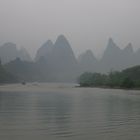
{"x": 127, "y": 83}
{"x": 85, "y": 79}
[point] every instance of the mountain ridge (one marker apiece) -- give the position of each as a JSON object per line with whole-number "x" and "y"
{"x": 57, "y": 61}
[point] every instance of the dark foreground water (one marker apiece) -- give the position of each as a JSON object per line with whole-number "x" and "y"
{"x": 70, "y": 114}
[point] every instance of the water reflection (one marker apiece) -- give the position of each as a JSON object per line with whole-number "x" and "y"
{"x": 55, "y": 108}
{"x": 79, "y": 114}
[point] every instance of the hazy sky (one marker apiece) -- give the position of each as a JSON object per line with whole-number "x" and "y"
{"x": 86, "y": 23}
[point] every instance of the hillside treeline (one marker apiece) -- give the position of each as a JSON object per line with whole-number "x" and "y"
{"x": 128, "y": 78}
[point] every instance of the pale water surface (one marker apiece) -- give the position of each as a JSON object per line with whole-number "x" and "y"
{"x": 63, "y": 112}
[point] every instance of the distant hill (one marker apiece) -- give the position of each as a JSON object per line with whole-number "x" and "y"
{"x": 24, "y": 55}
{"x": 24, "y": 70}
{"x": 60, "y": 59}
{"x": 45, "y": 51}
{"x": 6, "y": 77}
{"x": 9, "y": 52}
{"x": 53, "y": 63}
{"x": 56, "y": 62}
{"x": 113, "y": 58}
{"x": 87, "y": 62}
{"x": 137, "y": 57}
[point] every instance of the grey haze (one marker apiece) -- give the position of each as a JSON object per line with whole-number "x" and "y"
{"x": 86, "y": 23}
{"x": 56, "y": 62}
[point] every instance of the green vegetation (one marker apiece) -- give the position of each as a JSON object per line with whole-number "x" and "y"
{"x": 6, "y": 77}
{"x": 25, "y": 71}
{"x": 92, "y": 79}
{"x": 18, "y": 70}
{"x": 128, "y": 78}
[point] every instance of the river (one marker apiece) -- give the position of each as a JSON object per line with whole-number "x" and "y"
{"x": 64, "y": 112}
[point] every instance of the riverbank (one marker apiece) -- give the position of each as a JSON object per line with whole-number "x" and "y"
{"x": 107, "y": 87}
{"x": 35, "y": 87}
{"x": 54, "y": 87}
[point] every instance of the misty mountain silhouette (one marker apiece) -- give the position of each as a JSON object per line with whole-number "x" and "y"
{"x": 87, "y": 61}
{"x": 60, "y": 59}
{"x": 115, "y": 58}
{"x": 111, "y": 57}
{"x": 24, "y": 55}
{"x": 45, "y": 50}
{"x": 24, "y": 70}
{"x": 57, "y": 62}
{"x": 9, "y": 52}
{"x": 63, "y": 56}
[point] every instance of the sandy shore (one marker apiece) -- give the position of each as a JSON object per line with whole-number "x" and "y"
{"x": 39, "y": 87}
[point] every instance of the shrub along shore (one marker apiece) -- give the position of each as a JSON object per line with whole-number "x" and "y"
{"x": 126, "y": 79}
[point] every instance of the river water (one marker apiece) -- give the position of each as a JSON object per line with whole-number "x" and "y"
{"x": 42, "y": 112}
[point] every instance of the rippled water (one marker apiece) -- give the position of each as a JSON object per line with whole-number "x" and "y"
{"x": 68, "y": 113}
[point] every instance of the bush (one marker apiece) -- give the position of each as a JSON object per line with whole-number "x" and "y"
{"x": 127, "y": 83}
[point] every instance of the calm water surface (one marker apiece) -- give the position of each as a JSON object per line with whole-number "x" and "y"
{"x": 68, "y": 113}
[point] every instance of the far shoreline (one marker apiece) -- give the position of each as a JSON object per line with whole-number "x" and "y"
{"x": 106, "y": 87}
{"x": 43, "y": 87}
